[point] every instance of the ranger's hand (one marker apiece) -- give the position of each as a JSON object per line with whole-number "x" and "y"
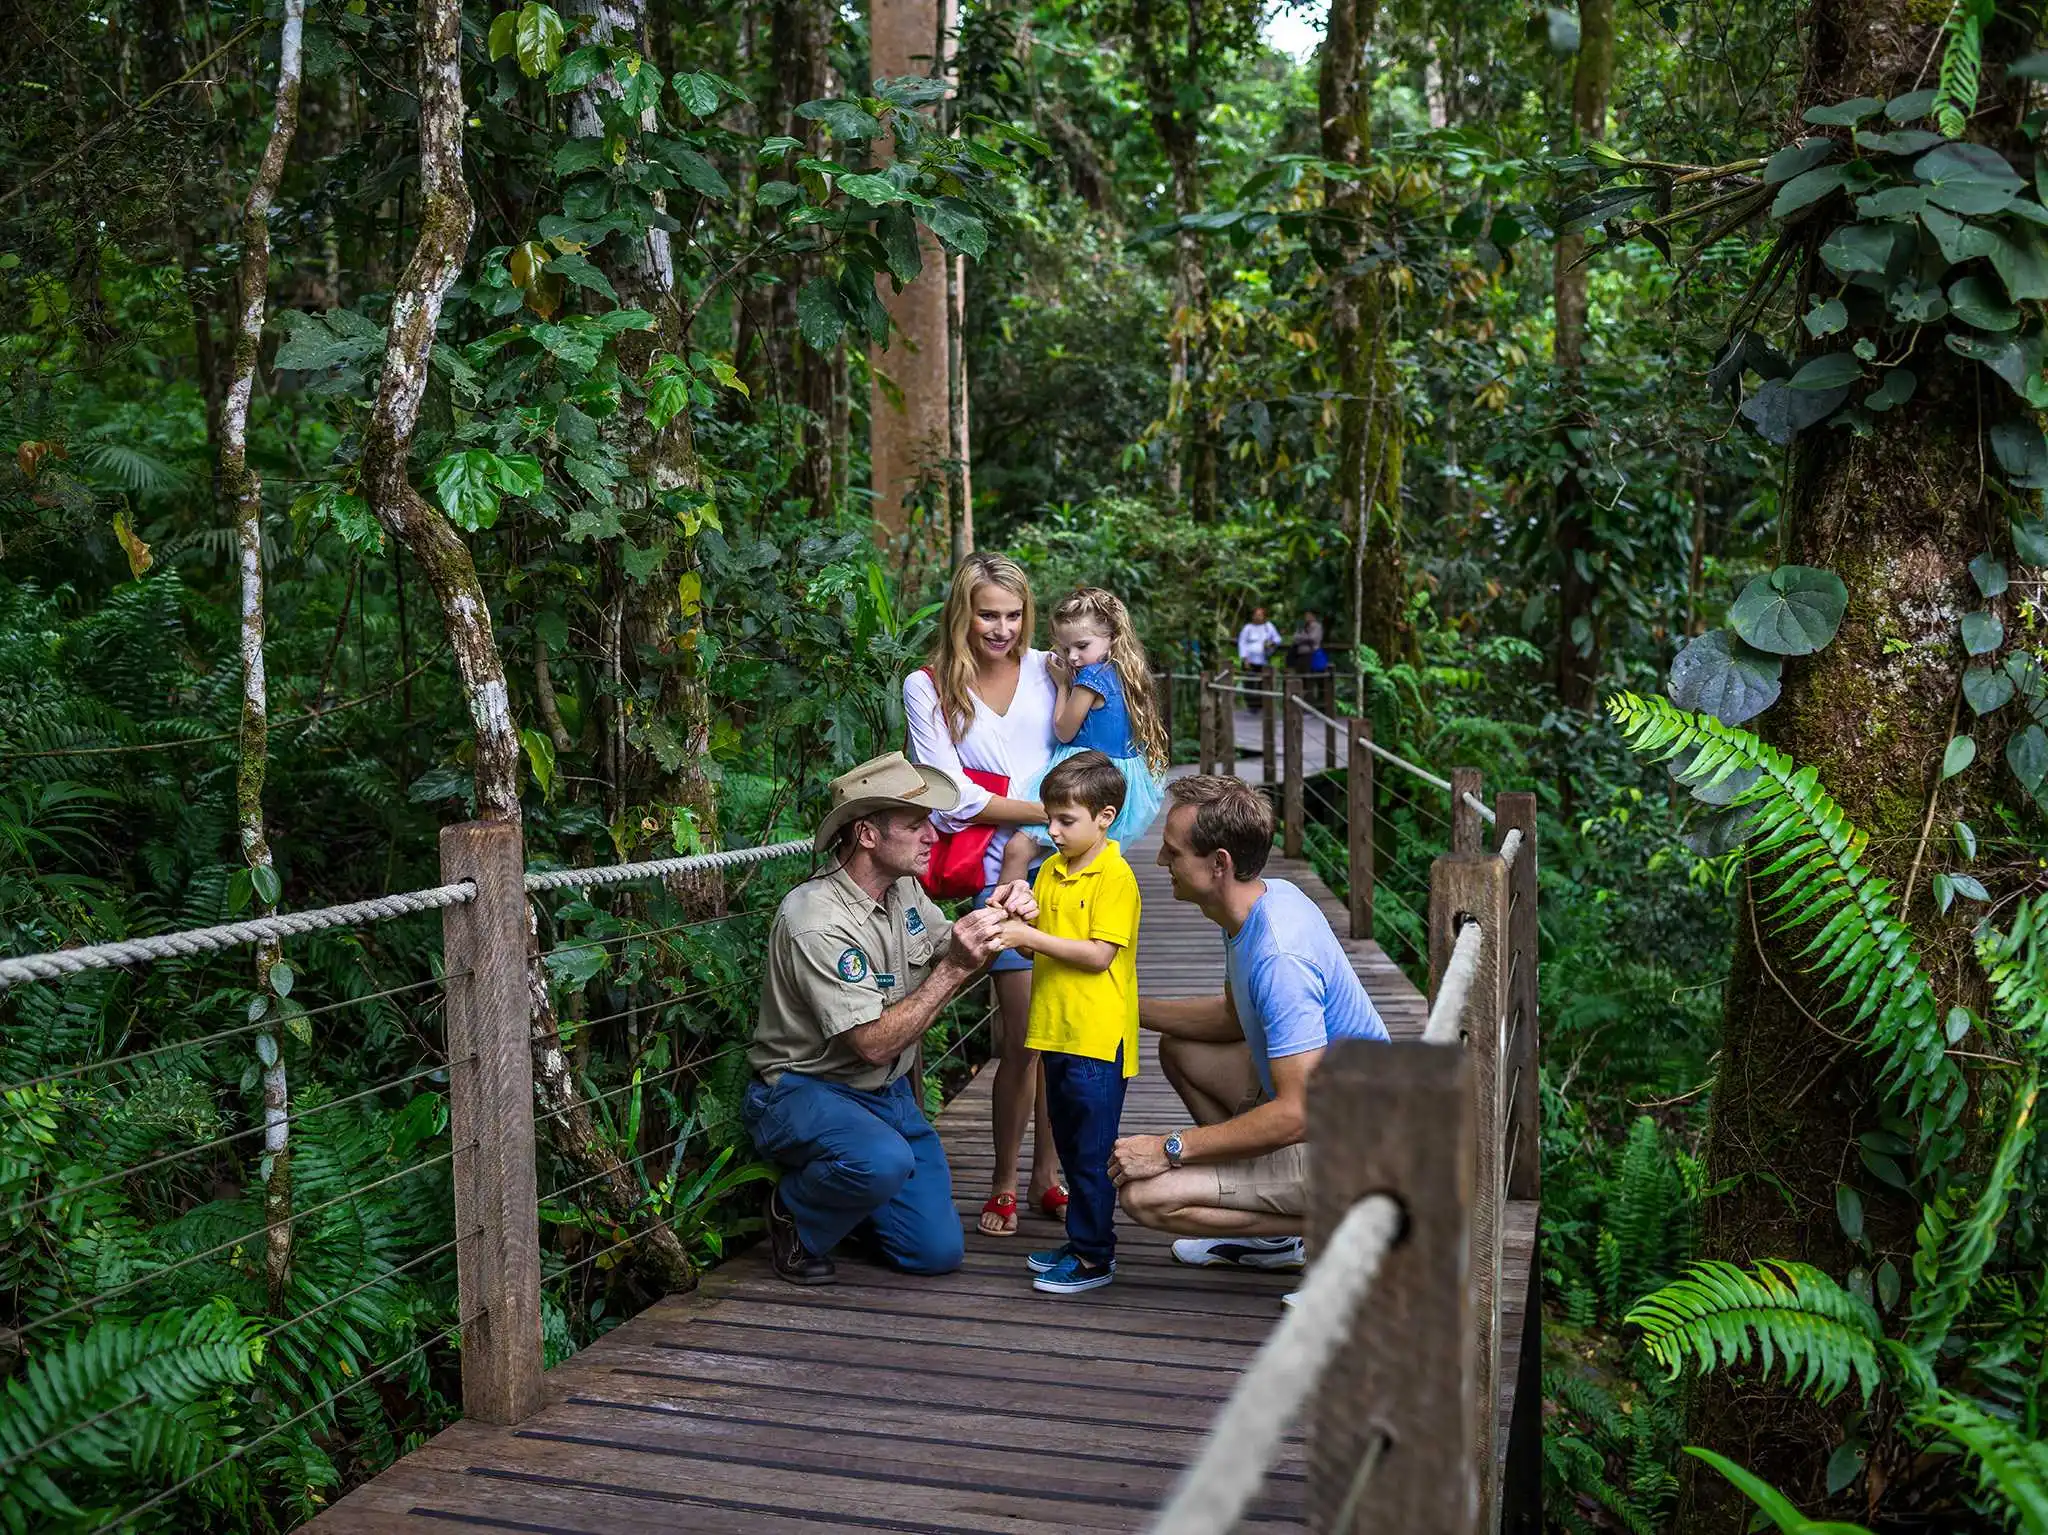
{"x": 977, "y": 938}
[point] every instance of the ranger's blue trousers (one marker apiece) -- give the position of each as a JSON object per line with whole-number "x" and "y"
{"x": 853, "y": 1154}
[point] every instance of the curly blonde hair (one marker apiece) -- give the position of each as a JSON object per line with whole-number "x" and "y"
{"x": 1092, "y": 605}
{"x": 952, "y": 661}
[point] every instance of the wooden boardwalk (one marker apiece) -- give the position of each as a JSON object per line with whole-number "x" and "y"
{"x": 885, "y": 1402}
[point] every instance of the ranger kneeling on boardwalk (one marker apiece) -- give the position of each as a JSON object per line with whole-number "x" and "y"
{"x": 859, "y": 964}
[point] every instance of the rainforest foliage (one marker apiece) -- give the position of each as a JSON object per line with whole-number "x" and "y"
{"x": 419, "y": 412}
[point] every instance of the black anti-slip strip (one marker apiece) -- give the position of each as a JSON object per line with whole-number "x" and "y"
{"x": 1011, "y": 1381}
{"x": 985, "y": 1348}
{"x": 842, "y": 1431}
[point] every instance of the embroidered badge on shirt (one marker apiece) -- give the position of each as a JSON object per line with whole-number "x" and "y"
{"x": 853, "y": 966}
{"x": 885, "y": 980}
{"x": 913, "y": 923}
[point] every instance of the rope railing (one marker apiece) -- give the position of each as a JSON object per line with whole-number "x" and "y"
{"x": 59, "y": 963}
{"x": 662, "y": 868}
{"x": 1213, "y": 1493}
{"x": 1478, "y": 807}
{"x": 211, "y": 940}
{"x": 1454, "y": 990}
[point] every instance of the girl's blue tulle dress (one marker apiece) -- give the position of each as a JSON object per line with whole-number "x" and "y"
{"x": 1107, "y": 730}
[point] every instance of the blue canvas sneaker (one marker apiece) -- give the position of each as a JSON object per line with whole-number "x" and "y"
{"x": 1048, "y": 1260}
{"x": 1071, "y": 1275}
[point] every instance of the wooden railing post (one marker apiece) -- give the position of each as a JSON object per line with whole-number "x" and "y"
{"x": 1329, "y": 736}
{"x": 1397, "y": 1120}
{"x": 1464, "y": 819}
{"x": 1291, "y": 796}
{"x": 490, "y": 1119}
{"x": 1474, "y": 887}
{"x": 1166, "y": 709}
{"x": 1524, "y": 1097}
{"x": 1269, "y": 718}
{"x": 1205, "y": 728}
{"x": 1358, "y": 817}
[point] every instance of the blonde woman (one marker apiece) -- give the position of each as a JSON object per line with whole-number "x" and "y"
{"x": 985, "y": 704}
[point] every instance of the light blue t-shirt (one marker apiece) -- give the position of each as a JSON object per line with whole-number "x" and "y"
{"x": 1292, "y": 982}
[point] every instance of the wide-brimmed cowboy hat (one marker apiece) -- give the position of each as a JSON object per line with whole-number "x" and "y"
{"x": 888, "y": 782}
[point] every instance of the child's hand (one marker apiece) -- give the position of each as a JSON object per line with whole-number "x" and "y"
{"x": 1017, "y": 934}
{"x": 1056, "y": 667}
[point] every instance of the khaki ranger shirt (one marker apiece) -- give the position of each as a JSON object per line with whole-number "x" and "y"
{"x": 836, "y": 959}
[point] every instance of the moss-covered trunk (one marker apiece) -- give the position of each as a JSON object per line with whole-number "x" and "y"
{"x": 1370, "y": 418}
{"x": 1898, "y": 514}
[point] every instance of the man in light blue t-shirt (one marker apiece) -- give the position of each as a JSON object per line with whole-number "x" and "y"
{"x": 1234, "y": 1184}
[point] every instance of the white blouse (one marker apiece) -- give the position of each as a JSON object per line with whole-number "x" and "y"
{"x": 1017, "y": 744}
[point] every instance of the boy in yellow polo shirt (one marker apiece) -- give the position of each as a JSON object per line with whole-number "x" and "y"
{"x": 1084, "y": 1005}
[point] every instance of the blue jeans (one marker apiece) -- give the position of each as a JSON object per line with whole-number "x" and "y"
{"x": 1086, "y": 1100}
{"x": 853, "y": 1154}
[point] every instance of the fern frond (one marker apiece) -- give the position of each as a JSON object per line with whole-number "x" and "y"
{"x": 1950, "y": 1256}
{"x": 1962, "y": 64}
{"x": 2016, "y": 961}
{"x": 1815, "y": 857}
{"x": 2011, "y": 1466}
{"x": 1789, "y": 1313}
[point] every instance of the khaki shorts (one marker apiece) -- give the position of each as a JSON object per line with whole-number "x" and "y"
{"x": 1273, "y": 1184}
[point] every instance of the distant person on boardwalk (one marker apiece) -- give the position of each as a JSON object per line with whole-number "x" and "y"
{"x": 1234, "y": 1183}
{"x": 1084, "y": 1005}
{"x": 1256, "y": 642}
{"x": 981, "y": 711}
{"x": 1303, "y": 644}
{"x": 1105, "y": 704}
{"x": 859, "y": 964}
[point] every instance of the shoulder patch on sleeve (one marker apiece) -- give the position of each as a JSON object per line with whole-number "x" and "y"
{"x": 913, "y": 921}
{"x": 853, "y": 965}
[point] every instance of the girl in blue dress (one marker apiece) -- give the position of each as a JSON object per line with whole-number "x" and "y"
{"x": 1104, "y": 704}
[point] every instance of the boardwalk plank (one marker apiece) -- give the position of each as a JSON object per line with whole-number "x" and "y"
{"x": 962, "y": 1403}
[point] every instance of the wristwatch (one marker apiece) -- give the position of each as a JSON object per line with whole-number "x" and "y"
{"x": 1173, "y": 1149}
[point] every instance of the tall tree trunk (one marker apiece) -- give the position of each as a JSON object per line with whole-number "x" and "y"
{"x": 1897, "y": 515}
{"x": 241, "y": 484}
{"x": 1370, "y": 418}
{"x": 909, "y": 423}
{"x": 1578, "y": 638}
{"x": 1170, "y": 69}
{"x": 444, "y": 225}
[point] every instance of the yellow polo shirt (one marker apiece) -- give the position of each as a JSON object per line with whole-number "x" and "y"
{"x": 1076, "y": 1011}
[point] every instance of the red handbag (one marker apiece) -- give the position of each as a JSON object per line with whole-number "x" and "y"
{"x": 959, "y": 857}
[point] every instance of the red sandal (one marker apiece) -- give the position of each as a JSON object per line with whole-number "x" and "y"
{"x": 1052, "y": 1204}
{"x": 1004, "y": 1207}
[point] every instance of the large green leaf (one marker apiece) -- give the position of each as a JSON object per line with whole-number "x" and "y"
{"x": 1830, "y": 370}
{"x": 1844, "y": 114}
{"x": 2027, "y": 755}
{"x": 1807, "y": 188}
{"x": 2020, "y": 256}
{"x": 1718, "y": 674}
{"x": 1976, "y": 302}
{"x": 1793, "y": 611}
{"x": 1987, "y": 688}
{"x": 957, "y": 225}
{"x": 842, "y": 119}
{"x": 1779, "y": 412}
{"x": 897, "y": 230}
{"x": 696, "y": 172}
{"x": 1982, "y": 633}
{"x": 820, "y": 317}
{"x": 1968, "y": 178}
{"x": 1797, "y": 159}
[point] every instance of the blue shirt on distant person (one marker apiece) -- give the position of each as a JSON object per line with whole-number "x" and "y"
{"x": 1292, "y": 983}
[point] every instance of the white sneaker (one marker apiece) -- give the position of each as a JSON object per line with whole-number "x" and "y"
{"x": 1242, "y": 1252}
